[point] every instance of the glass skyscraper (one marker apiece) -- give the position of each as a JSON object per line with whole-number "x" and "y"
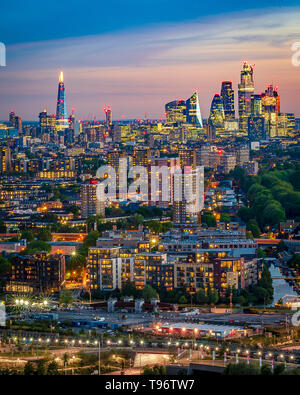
{"x": 61, "y": 108}
{"x": 246, "y": 90}
{"x": 227, "y": 96}
{"x": 193, "y": 113}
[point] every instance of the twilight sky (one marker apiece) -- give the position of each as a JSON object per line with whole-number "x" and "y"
{"x": 138, "y": 55}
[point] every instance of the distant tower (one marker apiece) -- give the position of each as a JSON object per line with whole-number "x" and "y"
{"x": 227, "y": 95}
{"x": 193, "y": 113}
{"x": 61, "y": 109}
{"x": 246, "y": 90}
{"x": 108, "y": 116}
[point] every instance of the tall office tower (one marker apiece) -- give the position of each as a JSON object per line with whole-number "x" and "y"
{"x": 271, "y": 109}
{"x": 18, "y": 123}
{"x": 256, "y": 105}
{"x": 72, "y": 120}
{"x": 12, "y": 119}
{"x": 61, "y": 108}
{"x": 217, "y": 114}
{"x": 91, "y": 202}
{"x": 291, "y": 122}
{"x": 5, "y": 159}
{"x": 256, "y": 128}
{"x": 245, "y": 90}
{"x": 176, "y": 111}
{"x": 43, "y": 117}
{"x": 108, "y": 116}
{"x": 282, "y": 125}
{"x": 227, "y": 96}
{"x": 193, "y": 113}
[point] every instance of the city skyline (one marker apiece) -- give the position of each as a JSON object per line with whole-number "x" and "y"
{"x": 162, "y": 62}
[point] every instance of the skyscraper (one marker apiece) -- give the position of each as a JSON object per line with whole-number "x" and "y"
{"x": 176, "y": 111}
{"x": 108, "y": 116}
{"x": 217, "y": 114}
{"x": 227, "y": 96}
{"x": 193, "y": 113}
{"x": 61, "y": 109}
{"x": 246, "y": 89}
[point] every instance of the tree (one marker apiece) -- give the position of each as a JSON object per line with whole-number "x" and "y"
{"x": 27, "y": 235}
{"x": 149, "y": 293}
{"x": 200, "y": 296}
{"x": 182, "y": 299}
{"x": 273, "y": 214}
{"x": 265, "y": 370}
{"x": 252, "y": 226}
{"x": 246, "y": 213}
{"x": 41, "y": 368}
{"x": 66, "y": 358}
{"x": 52, "y": 369}
{"x": 208, "y": 219}
{"x": 76, "y": 262}
{"x": 44, "y": 235}
{"x": 5, "y": 266}
{"x": 74, "y": 210}
{"x": 241, "y": 369}
{"x": 2, "y": 227}
{"x": 279, "y": 369}
{"x": 66, "y": 298}
{"x": 224, "y": 217}
{"x": 37, "y": 246}
{"x": 212, "y": 296}
{"x": 29, "y": 369}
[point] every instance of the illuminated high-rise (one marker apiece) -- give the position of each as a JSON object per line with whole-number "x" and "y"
{"x": 108, "y": 116}
{"x": 61, "y": 108}
{"x": 227, "y": 96}
{"x": 217, "y": 114}
{"x": 176, "y": 111}
{"x": 246, "y": 90}
{"x": 193, "y": 113}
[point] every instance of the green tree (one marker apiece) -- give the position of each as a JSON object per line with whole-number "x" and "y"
{"x": 246, "y": 213}
{"x": 224, "y": 217}
{"x": 27, "y": 235}
{"x": 44, "y": 235}
{"x": 149, "y": 293}
{"x": 182, "y": 299}
{"x": 52, "y": 369}
{"x": 66, "y": 298}
{"x": 29, "y": 369}
{"x": 5, "y": 266}
{"x": 241, "y": 369}
{"x": 41, "y": 368}
{"x": 208, "y": 219}
{"x": 200, "y": 296}
{"x": 265, "y": 370}
{"x": 252, "y": 226}
{"x": 37, "y": 246}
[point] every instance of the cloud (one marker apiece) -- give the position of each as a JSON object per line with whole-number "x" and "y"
{"x": 139, "y": 70}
